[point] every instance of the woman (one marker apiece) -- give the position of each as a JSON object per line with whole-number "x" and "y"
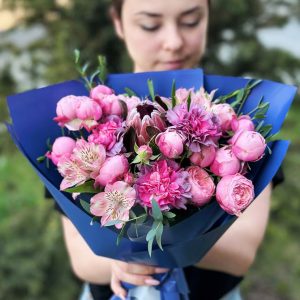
{"x": 166, "y": 35}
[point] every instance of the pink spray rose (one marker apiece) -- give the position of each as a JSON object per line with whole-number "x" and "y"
{"x": 169, "y": 143}
{"x": 248, "y": 145}
{"x": 100, "y": 91}
{"x": 205, "y": 157}
{"x": 243, "y": 122}
{"x": 114, "y": 203}
{"x": 225, "y": 163}
{"x": 144, "y": 153}
{"x": 62, "y": 147}
{"x": 113, "y": 169}
{"x": 234, "y": 193}
{"x": 225, "y": 114}
{"x": 202, "y": 185}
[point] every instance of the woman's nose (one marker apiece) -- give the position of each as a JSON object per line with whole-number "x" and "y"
{"x": 173, "y": 39}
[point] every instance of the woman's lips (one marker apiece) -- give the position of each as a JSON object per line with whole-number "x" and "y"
{"x": 174, "y": 64}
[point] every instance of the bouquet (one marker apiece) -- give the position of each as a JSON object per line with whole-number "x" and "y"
{"x": 158, "y": 165}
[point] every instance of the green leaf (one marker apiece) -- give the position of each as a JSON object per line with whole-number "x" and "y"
{"x": 169, "y": 215}
{"x": 92, "y": 78}
{"x": 156, "y": 212}
{"x": 151, "y": 234}
{"x": 121, "y": 234}
{"x": 85, "y": 205}
{"x": 174, "y": 100}
{"x": 151, "y": 88}
{"x": 132, "y": 214}
{"x": 76, "y": 55}
{"x": 84, "y": 68}
{"x": 130, "y": 92}
{"x": 259, "y": 126}
{"x": 136, "y": 160}
{"x": 159, "y": 232}
{"x": 188, "y": 101}
{"x": 136, "y": 148}
{"x": 141, "y": 219}
{"x": 41, "y": 158}
{"x": 87, "y": 187}
{"x": 102, "y": 67}
{"x": 150, "y": 244}
{"x": 253, "y": 83}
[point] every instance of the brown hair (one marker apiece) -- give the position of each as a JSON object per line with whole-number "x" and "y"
{"x": 116, "y": 6}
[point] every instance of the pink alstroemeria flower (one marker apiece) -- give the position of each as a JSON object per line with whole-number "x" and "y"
{"x": 114, "y": 203}
{"x": 89, "y": 156}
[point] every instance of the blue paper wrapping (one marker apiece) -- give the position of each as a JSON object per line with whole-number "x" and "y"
{"x": 186, "y": 242}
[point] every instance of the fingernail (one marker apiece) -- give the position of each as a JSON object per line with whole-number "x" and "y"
{"x": 122, "y": 297}
{"x": 161, "y": 270}
{"x": 152, "y": 281}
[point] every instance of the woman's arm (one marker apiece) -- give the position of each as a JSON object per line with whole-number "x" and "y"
{"x": 235, "y": 251}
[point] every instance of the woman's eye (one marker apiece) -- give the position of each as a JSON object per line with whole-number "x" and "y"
{"x": 190, "y": 24}
{"x": 150, "y": 28}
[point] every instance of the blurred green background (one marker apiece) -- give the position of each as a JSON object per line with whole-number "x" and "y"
{"x": 256, "y": 38}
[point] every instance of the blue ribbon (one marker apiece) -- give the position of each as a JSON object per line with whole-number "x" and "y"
{"x": 173, "y": 286}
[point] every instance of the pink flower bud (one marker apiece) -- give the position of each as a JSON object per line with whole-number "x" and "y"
{"x": 243, "y": 122}
{"x": 129, "y": 178}
{"x": 113, "y": 169}
{"x": 202, "y": 185}
{"x": 61, "y": 148}
{"x": 248, "y": 145}
{"x": 205, "y": 157}
{"x": 234, "y": 193}
{"x": 169, "y": 143}
{"x": 225, "y": 114}
{"x": 225, "y": 163}
{"x": 144, "y": 152}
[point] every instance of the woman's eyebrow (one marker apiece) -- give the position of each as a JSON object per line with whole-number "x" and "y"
{"x": 157, "y": 15}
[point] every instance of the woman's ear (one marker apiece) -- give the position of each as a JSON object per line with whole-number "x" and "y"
{"x": 117, "y": 22}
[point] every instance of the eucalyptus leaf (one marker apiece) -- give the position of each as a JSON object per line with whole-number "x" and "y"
{"x": 150, "y": 244}
{"x": 113, "y": 222}
{"x": 159, "y": 232}
{"x": 85, "y": 205}
{"x": 151, "y": 234}
{"x": 156, "y": 212}
{"x": 169, "y": 215}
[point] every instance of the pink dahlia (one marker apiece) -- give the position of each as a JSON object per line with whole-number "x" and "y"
{"x": 197, "y": 126}
{"x": 164, "y": 182}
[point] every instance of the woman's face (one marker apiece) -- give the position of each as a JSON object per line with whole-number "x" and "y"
{"x": 163, "y": 34}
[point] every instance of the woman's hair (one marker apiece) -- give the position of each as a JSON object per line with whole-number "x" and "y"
{"x": 116, "y": 5}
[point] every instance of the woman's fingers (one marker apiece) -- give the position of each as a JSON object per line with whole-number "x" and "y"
{"x": 116, "y": 287}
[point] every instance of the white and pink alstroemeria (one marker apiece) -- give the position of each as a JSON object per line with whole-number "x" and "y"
{"x": 89, "y": 156}
{"x": 114, "y": 203}
{"x": 202, "y": 98}
{"x": 72, "y": 173}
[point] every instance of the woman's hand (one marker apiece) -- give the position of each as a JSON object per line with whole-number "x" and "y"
{"x": 135, "y": 274}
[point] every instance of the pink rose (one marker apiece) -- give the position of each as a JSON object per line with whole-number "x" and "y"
{"x": 205, "y": 157}
{"x": 144, "y": 152}
{"x": 234, "y": 193}
{"x": 225, "y": 114}
{"x": 113, "y": 169}
{"x": 100, "y": 91}
{"x": 61, "y": 148}
{"x": 66, "y": 111}
{"x": 169, "y": 143}
{"x": 202, "y": 185}
{"x": 225, "y": 162}
{"x": 243, "y": 122}
{"x": 248, "y": 145}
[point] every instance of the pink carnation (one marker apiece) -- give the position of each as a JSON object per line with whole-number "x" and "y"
{"x": 165, "y": 183}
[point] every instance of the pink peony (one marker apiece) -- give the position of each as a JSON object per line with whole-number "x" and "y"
{"x": 114, "y": 203}
{"x": 89, "y": 156}
{"x": 197, "y": 126}
{"x": 243, "y": 122}
{"x": 205, "y": 157}
{"x": 202, "y": 185}
{"x": 66, "y": 111}
{"x": 234, "y": 193}
{"x": 225, "y": 114}
{"x": 100, "y": 91}
{"x": 89, "y": 111}
{"x": 112, "y": 170}
{"x": 165, "y": 183}
{"x": 62, "y": 148}
{"x": 170, "y": 144}
{"x": 248, "y": 145}
{"x": 225, "y": 162}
